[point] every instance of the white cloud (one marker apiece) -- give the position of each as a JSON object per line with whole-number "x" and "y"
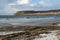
{"x": 25, "y": 5}
{"x": 31, "y": 5}
{"x": 10, "y": 10}
{"x": 43, "y": 3}
{"x": 12, "y": 4}
{"x": 22, "y": 2}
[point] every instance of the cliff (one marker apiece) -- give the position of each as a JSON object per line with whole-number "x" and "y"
{"x": 37, "y": 13}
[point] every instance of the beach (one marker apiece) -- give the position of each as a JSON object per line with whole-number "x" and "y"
{"x": 31, "y": 33}
{"x": 32, "y": 28}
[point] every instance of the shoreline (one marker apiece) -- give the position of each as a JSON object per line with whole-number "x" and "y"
{"x": 42, "y": 14}
{"x": 34, "y": 32}
{"x": 37, "y": 13}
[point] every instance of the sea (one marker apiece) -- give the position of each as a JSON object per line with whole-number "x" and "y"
{"x": 28, "y": 20}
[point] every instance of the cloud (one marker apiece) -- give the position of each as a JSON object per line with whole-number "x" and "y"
{"x": 12, "y": 4}
{"x": 26, "y": 5}
{"x": 43, "y": 3}
{"x": 10, "y": 10}
{"x": 22, "y": 2}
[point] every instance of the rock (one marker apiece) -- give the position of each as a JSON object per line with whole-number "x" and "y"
{"x": 37, "y": 13}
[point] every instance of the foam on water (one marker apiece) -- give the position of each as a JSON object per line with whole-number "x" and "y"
{"x": 51, "y": 36}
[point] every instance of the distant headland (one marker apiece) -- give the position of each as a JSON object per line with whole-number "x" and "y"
{"x": 37, "y": 13}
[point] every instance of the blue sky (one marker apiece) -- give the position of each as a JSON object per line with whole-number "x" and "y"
{"x": 9, "y": 7}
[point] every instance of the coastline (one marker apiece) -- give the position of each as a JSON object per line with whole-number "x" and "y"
{"x": 31, "y": 32}
{"x": 37, "y": 13}
{"x": 35, "y": 33}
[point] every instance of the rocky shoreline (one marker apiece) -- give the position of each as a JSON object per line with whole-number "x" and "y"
{"x": 35, "y": 32}
{"x": 9, "y": 27}
{"x": 38, "y": 33}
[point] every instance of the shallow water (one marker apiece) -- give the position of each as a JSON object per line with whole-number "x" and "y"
{"x": 29, "y": 20}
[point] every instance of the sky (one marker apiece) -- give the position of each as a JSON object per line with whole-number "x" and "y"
{"x": 9, "y": 7}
